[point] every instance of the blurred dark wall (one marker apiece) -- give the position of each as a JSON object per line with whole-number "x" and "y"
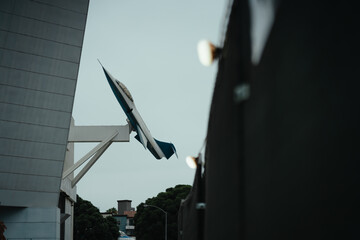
{"x": 284, "y": 163}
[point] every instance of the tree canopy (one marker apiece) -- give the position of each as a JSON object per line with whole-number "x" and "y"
{"x": 150, "y": 221}
{"x": 90, "y": 225}
{"x": 112, "y": 210}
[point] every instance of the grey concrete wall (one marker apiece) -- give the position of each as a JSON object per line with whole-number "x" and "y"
{"x": 40, "y": 47}
{"x": 31, "y": 223}
{"x": 69, "y": 223}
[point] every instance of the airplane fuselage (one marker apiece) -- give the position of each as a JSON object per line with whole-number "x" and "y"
{"x": 126, "y": 102}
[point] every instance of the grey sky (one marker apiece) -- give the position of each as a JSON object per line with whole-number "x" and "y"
{"x": 150, "y": 46}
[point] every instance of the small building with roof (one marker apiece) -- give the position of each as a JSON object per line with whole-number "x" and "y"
{"x": 124, "y": 217}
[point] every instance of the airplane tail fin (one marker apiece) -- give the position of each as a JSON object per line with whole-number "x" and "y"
{"x": 167, "y": 148}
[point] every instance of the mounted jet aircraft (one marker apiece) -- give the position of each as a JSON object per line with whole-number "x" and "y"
{"x": 157, "y": 148}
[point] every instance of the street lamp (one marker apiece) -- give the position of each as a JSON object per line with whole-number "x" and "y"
{"x": 147, "y": 205}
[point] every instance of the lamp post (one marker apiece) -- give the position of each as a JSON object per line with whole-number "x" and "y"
{"x": 147, "y": 205}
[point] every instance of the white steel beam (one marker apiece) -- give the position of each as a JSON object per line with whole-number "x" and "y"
{"x": 98, "y": 133}
{"x": 89, "y": 154}
{"x": 91, "y": 162}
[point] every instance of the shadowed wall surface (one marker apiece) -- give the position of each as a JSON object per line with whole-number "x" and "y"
{"x": 40, "y": 48}
{"x": 284, "y": 163}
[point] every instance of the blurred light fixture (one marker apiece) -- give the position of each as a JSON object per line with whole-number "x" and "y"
{"x": 191, "y": 162}
{"x": 207, "y": 52}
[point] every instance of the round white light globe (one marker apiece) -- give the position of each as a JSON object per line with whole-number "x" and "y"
{"x": 205, "y": 52}
{"x": 191, "y": 162}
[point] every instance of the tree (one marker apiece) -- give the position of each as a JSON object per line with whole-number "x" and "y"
{"x": 90, "y": 225}
{"x": 150, "y": 221}
{"x": 113, "y": 228}
{"x": 112, "y": 210}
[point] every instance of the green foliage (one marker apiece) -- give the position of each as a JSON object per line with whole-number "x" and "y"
{"x": 112, "y": 210}
{"x": 90, "y": 225}
{"x": 150, "y": 221}
{"x": 113, "y": 228}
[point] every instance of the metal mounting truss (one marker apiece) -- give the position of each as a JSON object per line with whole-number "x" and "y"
{"x": 106, "y": 135}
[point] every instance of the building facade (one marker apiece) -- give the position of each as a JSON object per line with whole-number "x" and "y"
{"x": 40, "y": 49}
{"x": 127, "y": 213}
{"x": 124, "y": 217}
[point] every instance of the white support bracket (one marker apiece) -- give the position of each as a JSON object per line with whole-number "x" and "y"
{"x": 106, "y": 135}
{"x": 98, "y": 133}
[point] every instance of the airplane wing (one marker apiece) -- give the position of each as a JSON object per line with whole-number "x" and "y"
{"x": 141, "y": 137}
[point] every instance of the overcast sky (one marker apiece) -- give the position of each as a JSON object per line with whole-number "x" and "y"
{"x": 150, "y": 46}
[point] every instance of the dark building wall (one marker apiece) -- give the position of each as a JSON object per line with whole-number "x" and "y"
{"x": 124, "y": 205}
{"x": 289, "y": 167}
{"x": 40, "y": 48}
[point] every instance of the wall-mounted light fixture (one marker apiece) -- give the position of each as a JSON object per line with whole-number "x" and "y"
{"x": 207, "y": 52}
